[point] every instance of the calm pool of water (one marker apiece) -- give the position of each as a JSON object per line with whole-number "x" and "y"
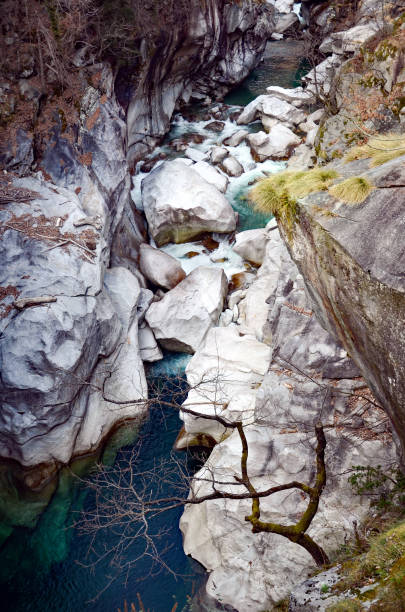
{"x": 42, "y": 568}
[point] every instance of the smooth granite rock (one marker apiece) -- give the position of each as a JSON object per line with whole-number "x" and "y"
{"x": 160, "y": 268}
{"x": 180, "y": 204}
{"x": 231, "y": 166}
{"x": 251, "y": 245}
{"x": 279, "y": 406}
{"x": 182, "y": 318}
{"x": 279, "y": 144}
{"x": 212, "y": 176}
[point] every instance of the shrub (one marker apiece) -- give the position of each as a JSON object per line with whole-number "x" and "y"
{"x": 383, "y": 567}
{"x": 386, "y": 487}
{"x": 353, "y": 190}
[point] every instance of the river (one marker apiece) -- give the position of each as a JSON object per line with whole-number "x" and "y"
{"x": 43, "y": 556}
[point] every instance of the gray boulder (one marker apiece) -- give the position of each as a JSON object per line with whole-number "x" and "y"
{"x": 279, "y": 144}
{"x": 236, "y": 138}
{"x": 182, "y": 318}
{"x": 218, "y": 154}
{"x": 160, "y": 268}
{"x": 148, "y": 346}
{"x": 251, "y": 111}
{"x": 212, "y": 176}
{"x": 296, "y": 96}
{"x": 349, "y": 41}
{"x": 180, "y": 204}
{"x": 281, "y": 110}
{"x": 231, "y": 166}
{"x": 251, "y": 245}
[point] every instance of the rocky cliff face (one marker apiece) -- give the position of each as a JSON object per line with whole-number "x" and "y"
{"x": 73, "y": 242}
{"x": 221, "y": 43}
{"x": 65, "y": 358}
{"x": 352, "y": 259}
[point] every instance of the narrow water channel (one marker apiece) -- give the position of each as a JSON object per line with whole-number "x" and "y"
{"x": 42, "y": 554}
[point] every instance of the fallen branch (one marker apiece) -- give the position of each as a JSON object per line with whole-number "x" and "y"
{"x": 34, "y": 301}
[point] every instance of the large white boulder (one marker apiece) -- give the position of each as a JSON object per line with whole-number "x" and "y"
{"x": 276, "y": 105}
{"x": 251, "y": 111}
{"x": 236, "y": 138}
{"x": 195, "y": 154}
{"x": 212, "y": 176}
{"x": 148, "y": 346}
{"x": 218, "y": 154}
{"x": 179, "y": 204}
{"x": 296, "y": 95}
{"x": 272, "y": 106}
{"x": 279, "y": 144}
{"x": 182, "y": 318}
{"x": 251, "y": 245}
{"x": 159, "y": 267}
{"x": 348, "y": 41}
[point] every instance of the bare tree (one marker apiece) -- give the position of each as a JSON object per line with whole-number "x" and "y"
{"x": 128, "y": 500}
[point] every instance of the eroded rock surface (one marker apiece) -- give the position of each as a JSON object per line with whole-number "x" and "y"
{"x": 251, "y": 572}
{"x": 353, "y": 264}
{"x": 217, "y": 49}
{"x": 49, "y": 351}
{"x": 279, "y": 144}
{"x": 160, "y": 268}
{"x": 56, "y": 355}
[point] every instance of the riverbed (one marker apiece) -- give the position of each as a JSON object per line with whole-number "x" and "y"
{"x": 44, "y": 563}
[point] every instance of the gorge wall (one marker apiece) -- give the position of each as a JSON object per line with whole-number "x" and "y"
{"x": 71, "y": 233}
{"x": 219, "y": 45}
{"x": 352, "y": 262}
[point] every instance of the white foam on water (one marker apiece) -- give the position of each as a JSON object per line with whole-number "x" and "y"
{"x": 232, "y": 265}
{"x": 182, "y": 127}
{"x": 260, "y": 170}
{"x": 297, "y": 11}
{"x": 136, "y": 193}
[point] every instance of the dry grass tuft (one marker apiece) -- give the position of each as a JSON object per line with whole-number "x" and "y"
{"x": 265, "y": 195}
{"x": 379, "y": 149}
{"x": 353, "y": 190}
{"x": 383, "y": 567}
